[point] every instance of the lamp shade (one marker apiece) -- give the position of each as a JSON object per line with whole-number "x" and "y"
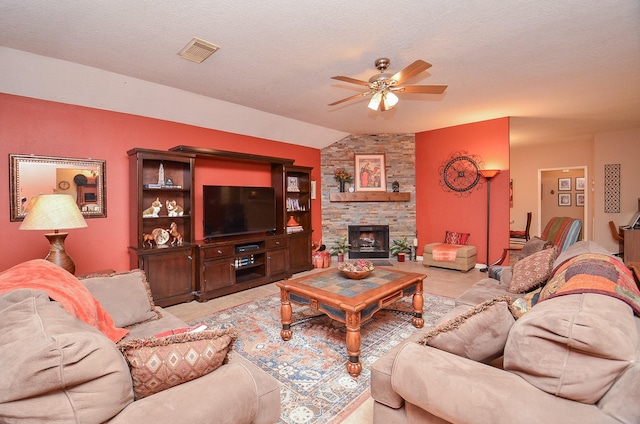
{"x": 374, "y": 104}
{"x": 53, "y": 212}
{"x": 489, "y": 173}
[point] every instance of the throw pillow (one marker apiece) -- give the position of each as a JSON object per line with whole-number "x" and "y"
{"x": 532, "y": 271}
{"x": 452, "y": 237}
{"x": 479, "y": 333}
{"x": 161, "y": 363}
{"x": 522, "y": 305}
{"x": 125, "y": 296}
{"x": 533, "y": 245}
{"x": 573, "y": 346}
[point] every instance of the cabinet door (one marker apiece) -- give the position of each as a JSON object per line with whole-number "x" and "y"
{"x": 300, "y": 252}
{"x": 170, "y": 276}
{"x": 216, "y": 274}
{"x": 277, "y": 262}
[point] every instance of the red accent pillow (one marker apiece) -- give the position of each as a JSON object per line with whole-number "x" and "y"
{"x": 452, "y": 237}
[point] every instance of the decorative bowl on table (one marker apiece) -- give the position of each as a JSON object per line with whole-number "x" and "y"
{"x": 356, "y": 269}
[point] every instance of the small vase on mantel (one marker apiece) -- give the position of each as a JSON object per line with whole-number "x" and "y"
{"x": 341, "y": 186}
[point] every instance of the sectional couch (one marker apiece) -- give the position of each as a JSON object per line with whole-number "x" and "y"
{"x": 571, "y": 356}
{"x": 91, "y": 356}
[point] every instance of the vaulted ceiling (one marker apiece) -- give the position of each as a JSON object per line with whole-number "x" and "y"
{"x": 563, "y": 69}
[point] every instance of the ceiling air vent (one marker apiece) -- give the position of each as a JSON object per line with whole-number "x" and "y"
{"x": 197, "y": 50}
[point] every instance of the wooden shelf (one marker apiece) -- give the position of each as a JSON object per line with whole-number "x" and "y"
{"x": 370, "y": 196}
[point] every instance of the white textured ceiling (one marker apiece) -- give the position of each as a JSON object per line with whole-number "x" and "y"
{"x": 564, "y": 69}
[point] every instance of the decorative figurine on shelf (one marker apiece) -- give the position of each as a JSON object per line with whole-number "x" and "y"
{"x": 395, "y": 187}
{"x": 148, "y": 240}
{"x": 153, "y": 210}
{"x": 176, "y": 237}
{"x": 174, "y": 209}
{"x": 161, "y": 174}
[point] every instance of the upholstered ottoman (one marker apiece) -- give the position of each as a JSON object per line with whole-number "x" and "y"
{"x": 465, "y": 257}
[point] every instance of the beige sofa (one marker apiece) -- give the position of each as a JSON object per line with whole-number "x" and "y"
{"x": 56, "y": 367}
{"x": 572, "y": 358}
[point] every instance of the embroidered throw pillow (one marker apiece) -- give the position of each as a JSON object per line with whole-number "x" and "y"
{"x": 531, "y": 272}
{"x": 479, "y": 334}
{"x": 452, "y": 237}
{"x": 158, "y": 364}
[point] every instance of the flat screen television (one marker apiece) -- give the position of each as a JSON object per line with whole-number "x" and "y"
{"x": 233, "y": 210}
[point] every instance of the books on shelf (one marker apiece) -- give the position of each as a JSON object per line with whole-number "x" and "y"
{"x": 156, "y": 185}
{"x": 295, "y": 229}
{"x": 294, "y": 205}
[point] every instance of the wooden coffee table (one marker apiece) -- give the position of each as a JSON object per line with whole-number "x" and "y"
{"x": 351, "y": 302}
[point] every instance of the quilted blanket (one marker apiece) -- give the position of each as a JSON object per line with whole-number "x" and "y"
{"x": 65, "y": 289}
{"x": 445, "y": 252}
{"x": 594, "y": 273}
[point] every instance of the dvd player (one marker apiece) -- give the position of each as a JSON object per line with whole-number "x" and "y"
{"x": 247, "y": 248}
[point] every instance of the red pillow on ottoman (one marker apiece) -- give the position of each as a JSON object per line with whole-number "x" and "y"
{"x": 452, "y": 237}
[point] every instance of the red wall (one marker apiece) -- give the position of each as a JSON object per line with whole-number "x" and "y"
{"x": 438, "y": 210}
{"x": 30, "y": 126}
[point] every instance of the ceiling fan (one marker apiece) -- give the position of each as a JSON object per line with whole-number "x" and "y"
{"x": 383, "y": 86}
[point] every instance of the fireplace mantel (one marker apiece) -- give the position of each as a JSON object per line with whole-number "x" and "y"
{"x": 370, "y": 196}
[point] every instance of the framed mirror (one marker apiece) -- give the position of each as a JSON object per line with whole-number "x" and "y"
{"x": 84, "y": 179}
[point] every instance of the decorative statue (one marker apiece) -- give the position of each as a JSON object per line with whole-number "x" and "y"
{"x": 176, "y": 237}
{"x": 174, "y": 209}
{"x": 148, "y": 240}
{"x": 161, "y": 174}
{"x": 153, "y": 210}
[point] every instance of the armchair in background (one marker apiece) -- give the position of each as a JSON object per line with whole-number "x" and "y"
{"x": 561, "y": 232}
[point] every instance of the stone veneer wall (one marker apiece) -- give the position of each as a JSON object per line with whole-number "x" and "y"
{"x": 399, "y": 150}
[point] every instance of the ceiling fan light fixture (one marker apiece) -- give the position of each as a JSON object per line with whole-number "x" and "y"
{"x": 374, "y": 104}
{"x": 383, "y": 100}
{"x": 390, "y": 100}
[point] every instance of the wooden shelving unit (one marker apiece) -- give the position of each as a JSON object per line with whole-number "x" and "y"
{"x": 293, "y": 195}
{"x": 169, "y": 265}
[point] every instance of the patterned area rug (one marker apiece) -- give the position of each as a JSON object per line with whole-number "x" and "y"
{"x": 311, "y": 367}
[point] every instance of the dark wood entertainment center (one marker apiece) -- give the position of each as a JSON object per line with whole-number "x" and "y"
{"x": 202, "y": 270}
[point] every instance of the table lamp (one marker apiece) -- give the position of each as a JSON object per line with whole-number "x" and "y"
{"x": 55, "y": 212}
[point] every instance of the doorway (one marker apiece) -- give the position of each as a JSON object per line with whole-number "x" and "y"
{"x": 563, "y": 192}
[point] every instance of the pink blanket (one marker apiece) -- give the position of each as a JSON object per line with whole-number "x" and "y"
{"x": 64, "y": 288}
{"x": 445, "y": 252}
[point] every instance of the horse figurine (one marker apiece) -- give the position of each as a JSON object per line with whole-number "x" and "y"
{"x": 176, "y": 237}
{"x": 148, "y": 239}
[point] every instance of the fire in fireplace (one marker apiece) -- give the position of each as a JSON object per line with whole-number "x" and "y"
{"x": 368, "y": 241}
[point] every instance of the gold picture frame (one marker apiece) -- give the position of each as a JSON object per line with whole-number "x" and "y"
{"x": 371, "y": 173}
{"x": 84, "y": 179}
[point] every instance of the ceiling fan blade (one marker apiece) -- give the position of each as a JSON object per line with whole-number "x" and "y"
{"x": 351, "y": 80}
{"x": 422, "y": 89}
{"x": 355, "y": 96}
{"x": 411, "y": 71}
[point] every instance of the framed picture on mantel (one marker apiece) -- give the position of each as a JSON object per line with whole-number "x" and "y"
{"x": 371, "y": 173}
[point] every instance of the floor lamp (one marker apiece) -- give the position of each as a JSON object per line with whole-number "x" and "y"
{"x": 488, "y": 174}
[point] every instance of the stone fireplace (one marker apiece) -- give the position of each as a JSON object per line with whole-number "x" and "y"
{"x": 368, "y": 241}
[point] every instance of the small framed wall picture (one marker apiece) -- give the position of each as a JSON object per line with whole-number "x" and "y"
{"x": 579, "y": 183}
{"x": 579, "y": 199}
{"x": 371, "y": 173}
{"x": 564, "y": 199}
{"x": 564, "y": 184}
